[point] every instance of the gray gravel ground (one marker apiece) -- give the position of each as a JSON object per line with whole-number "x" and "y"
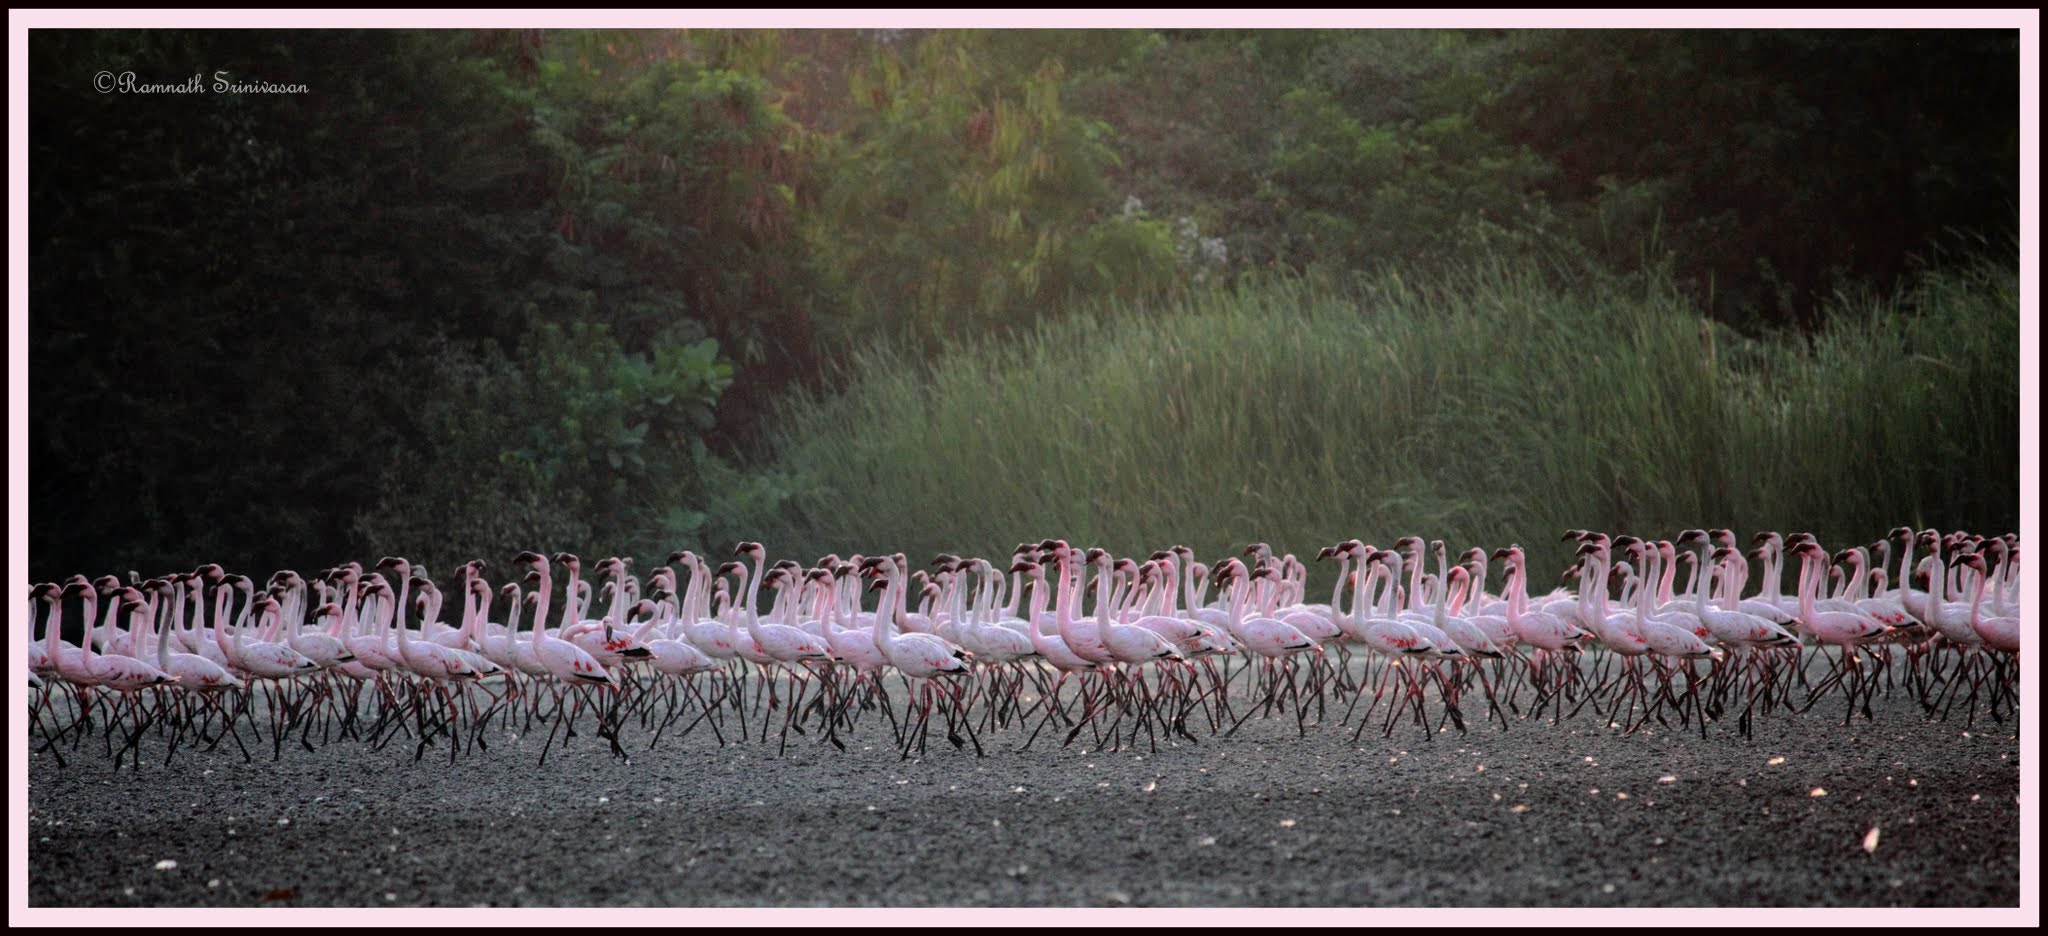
{"x": 1541, "y": 814}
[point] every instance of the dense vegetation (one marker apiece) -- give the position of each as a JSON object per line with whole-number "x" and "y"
{"x": 627, "y": 291}
{"x": 1488, "y": 409}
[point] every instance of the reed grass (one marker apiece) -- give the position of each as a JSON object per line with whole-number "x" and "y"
{"x": 1491, "y": 408}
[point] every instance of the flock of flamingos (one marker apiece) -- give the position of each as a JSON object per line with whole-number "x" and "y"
{"x": 203, "y": 657}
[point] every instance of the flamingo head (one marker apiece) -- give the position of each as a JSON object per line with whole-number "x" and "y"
{"x": 750, "y": 549}
{"x": 1690, "y": 537}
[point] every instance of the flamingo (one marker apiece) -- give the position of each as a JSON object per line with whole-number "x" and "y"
{"x": 570, "y": 665}
{"x": 789, "y": 647}
{"x": 1845, "y": 629}
{"x": 45, "y": 653}
{"x": 917, "y": 655}
{"x": 1999, "y": 633}
{"x": 1377, "y": 629}
{"x": 1269, "y": 638}
{"x": 123, "y": 674}
{"x": 566, "y": 662}
{"x": 1728, "y": 627}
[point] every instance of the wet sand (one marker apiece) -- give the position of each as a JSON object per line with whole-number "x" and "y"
{"x": 1570, "y": 814}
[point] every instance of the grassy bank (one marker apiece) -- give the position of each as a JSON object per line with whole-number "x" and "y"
{"x": 1488, "y": 409}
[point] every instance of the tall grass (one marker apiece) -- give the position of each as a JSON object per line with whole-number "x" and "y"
{"x": 1489, "y": 409}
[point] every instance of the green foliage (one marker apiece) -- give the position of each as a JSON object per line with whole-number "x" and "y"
{"x": 677, "y": 197}
{"x": 1771, "y": 167}
{"x": 964, "y": 196}
{"x": 1786, "y": 163}
{"x": 572, "y": 442}
{"x": 1492, "y": 408}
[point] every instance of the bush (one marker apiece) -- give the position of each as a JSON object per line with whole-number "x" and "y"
{"x": 572, "y": 444}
